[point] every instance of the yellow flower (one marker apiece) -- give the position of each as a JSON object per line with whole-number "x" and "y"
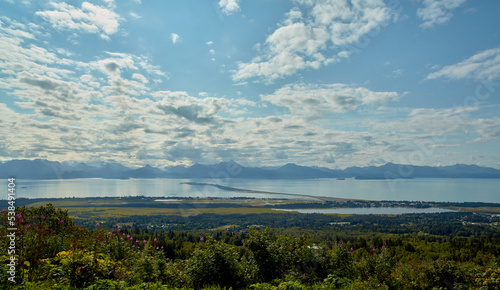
{"x": 63, "y": 253}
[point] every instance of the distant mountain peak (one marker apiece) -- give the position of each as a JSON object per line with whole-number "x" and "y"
{"x": 290, "y": 165}
{"x": 44, "y": 169}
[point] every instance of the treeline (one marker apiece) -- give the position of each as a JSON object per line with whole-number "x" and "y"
{"x": 450, "y": 223}
{"x": 53, "y": 252}
{"x": 186, "y": 202}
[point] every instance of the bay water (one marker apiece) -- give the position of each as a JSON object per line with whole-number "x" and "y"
{"x": 420, "y": 189}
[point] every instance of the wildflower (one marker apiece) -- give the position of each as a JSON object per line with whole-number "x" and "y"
{"x": 136, "y": 241}
{"x": 383, "y": 247}
{"x": 202, "y": 239}
{"x": 27, "y": 226}
{"x": 133, "y": 246}
{"x": 3, "y": 210}
{"x": 43, "y": 218}
{"x": 128, "y": 236}
{"x": 157, "y": 248}
{"x": 131, "y": 238}
{"x": 144, "y": 241}
{"x": 19, "y": 216}
{"x": 155, "y": 240}
{"x": 352, "y": 249}
{"x": 97, "y": 225}
{"x": 61, "y": 222}
{"x": 162, "y": 247}
{"x": 341, "y": 243}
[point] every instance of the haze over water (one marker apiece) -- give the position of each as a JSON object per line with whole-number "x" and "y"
{"x": 421, "y": 189}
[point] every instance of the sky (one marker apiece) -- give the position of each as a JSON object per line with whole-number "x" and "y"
{"x": 263, "y": 82}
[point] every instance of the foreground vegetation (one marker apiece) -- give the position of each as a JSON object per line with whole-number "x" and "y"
{"x": 54, "y": 253}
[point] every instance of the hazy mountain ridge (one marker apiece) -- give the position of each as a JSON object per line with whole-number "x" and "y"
{"x": 44, "y": 169}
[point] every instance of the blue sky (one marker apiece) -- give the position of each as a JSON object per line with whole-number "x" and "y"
{"x": 264, "y": 82}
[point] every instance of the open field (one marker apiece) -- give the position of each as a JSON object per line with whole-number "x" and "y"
{"x": 108, "y": 212}
{"x": 113, "y": 207}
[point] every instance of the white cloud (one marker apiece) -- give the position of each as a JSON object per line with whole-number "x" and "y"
{"x": 325, "y": 37}
{"x": 484, "y": 65}
{"x": 140, "y": 78}
{"x": 135, "y": 15}
{"x": 175, "y": 38}
{"x": 437, "y": 12}
{"x": 209, "y": 42}
{"x": 315, "y": 101}
{"x": 89, "y": 18}
{"x": 488, "y": 129}
{"x": 229, "y": 7}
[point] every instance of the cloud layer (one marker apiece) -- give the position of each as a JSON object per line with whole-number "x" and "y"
{"x": 118, "y": 95}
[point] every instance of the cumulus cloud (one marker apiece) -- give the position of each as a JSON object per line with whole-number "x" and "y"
{"x": 324, "y": 38}
{"x": 229, "y": 7}
{"x": 317, "y": 100}
{"x": 89, "y": 18}
{"x": 175, "y": 38}
{"x": 437, "y": 12}
{"x": 484, "y": 65}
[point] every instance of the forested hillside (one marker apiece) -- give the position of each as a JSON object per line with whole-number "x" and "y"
{"x": 53, "y": 253}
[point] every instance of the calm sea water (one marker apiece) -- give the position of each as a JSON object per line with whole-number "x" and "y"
{"x": 423, "y": 189}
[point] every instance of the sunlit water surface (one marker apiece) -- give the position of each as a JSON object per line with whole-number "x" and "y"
{"x": 420, "y": 189}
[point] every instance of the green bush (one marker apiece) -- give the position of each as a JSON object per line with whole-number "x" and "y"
{"x": 216, "y": 264}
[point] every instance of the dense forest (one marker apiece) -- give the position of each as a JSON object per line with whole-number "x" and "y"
{"x": 261, "y": 251}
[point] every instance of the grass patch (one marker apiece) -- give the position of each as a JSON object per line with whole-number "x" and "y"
{"x": 116, "y": 212}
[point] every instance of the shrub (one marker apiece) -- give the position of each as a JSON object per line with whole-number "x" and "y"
{"x": 216, "y": 264}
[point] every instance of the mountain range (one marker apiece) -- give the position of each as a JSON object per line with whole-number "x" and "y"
{"x": 44, "y": 169}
